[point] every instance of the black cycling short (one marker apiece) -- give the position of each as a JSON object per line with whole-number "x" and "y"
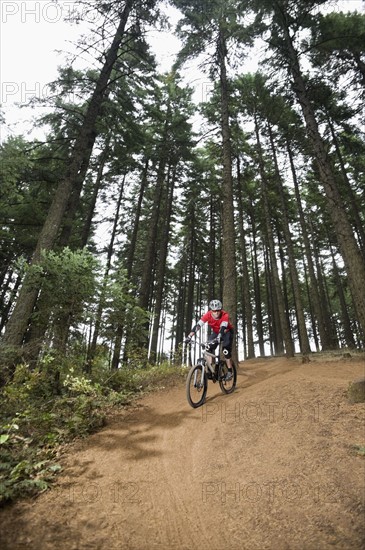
{"x": 227, "y": 341}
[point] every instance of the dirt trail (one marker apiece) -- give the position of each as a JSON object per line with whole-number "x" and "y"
{"x": 272, "y": 466}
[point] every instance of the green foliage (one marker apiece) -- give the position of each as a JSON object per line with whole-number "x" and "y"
{"x": 36, "y": 422}
{"x": 78, "y": 385}
{"x": 21, "y": 471}
{"x": 69, "y": 280}
{"x": 121, "y": 306}
{"x": 27, "y": 178}
{"x": 128, "y": 382}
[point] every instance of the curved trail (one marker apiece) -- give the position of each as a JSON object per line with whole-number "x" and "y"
{"x": 271, "y": 466}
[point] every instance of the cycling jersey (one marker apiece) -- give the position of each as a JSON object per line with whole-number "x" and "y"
{"x": 216, "y": 324}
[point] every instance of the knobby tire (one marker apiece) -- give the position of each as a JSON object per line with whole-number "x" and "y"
{"x": 227, "y": 387}
{"x": 196, "y": 394}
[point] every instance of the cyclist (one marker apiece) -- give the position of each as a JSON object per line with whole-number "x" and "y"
{"x": 218, "y": 320}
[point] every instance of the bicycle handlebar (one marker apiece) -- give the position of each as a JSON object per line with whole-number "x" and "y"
{"x": 203, "y": 344}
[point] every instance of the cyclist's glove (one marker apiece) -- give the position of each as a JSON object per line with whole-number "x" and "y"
{"x": 187, "y": 340}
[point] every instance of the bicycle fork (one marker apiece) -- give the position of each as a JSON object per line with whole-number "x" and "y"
{"x": 204, "y": 366}
{"x": 196, "y": 383}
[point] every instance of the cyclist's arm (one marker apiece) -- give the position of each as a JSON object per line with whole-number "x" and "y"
{"x": 195, "y": 329}
{"x": 223, "y": 328}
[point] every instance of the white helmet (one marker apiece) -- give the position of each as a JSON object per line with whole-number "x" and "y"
{"x": 215, "y": 304}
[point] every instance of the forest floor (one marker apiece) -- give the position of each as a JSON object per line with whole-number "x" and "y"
{"x": 279, "y": 464}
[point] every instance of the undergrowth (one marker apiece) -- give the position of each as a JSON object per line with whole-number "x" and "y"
{"x": 44, "y": 408}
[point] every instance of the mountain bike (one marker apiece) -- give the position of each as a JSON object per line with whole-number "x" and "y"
{"x": 201, "y": 372}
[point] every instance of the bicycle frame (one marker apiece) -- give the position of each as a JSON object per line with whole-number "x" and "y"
{"x": 203, "y": 362}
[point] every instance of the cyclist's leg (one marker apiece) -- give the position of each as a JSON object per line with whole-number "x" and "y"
{"x": 227, "y": 342}
{"x": 212, "y": 347}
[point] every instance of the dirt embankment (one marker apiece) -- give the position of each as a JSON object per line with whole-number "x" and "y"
{"x": 276, "y": 465}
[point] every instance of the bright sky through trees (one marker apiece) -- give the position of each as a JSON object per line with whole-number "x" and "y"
{"x": 35, "y": 37}
{"x": 34, "y": 41}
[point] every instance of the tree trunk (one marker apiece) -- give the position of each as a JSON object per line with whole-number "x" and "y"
{"x": 133, "y": 241}
{"x": 247, "y": 306}
{"x": 302, "y": 329}
{"x": 276, "y": 338}
{"x": 314, "y": 294}
{"x": 349, "y": 191}
{"x": 6, "y": 308}
{"x": 161, "y": 267}
{"x": 85, "y": 234}
{"x": 73, "y": 203}
{"x": 190, "y": 277}
{"x": 92, "y": 348}
{"x": 228, "y": 229}
{"x": 310, "y": 304}
{"x": 117, "y": 346}
{"x": 150, "y": 251}
{"x": 285, "y": 328}
{"x": 212, "y": 251}
{"x": 333, "y": 344}
{"x": 347, "y": 332}
{"x": 256, "y": 283}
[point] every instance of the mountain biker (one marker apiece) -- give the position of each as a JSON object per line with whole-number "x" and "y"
{"x": 218, "y": 320}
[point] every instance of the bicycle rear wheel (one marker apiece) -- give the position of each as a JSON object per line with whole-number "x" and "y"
{"x": 196, "y": 388}
{"x": 227, "y": 386}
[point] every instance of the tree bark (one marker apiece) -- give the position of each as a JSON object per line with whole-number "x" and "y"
{"x": 228, "y": 229}
{"x": 85, "y": 234}
{"x": 349, "y": 191}
{"x": 150, "y": 251}
{"x": 133, "y": 241}
{"x": 92, "y": 348}
{"x": 285, "y": 328}
{"x": 161, "y": 267}
{"x": 325, "y": 337}
{"x": 347, "y": 332}
{"x": 247, "y": 306}
{"x": 256, "y": 282}
{"x": 302, "y": 329}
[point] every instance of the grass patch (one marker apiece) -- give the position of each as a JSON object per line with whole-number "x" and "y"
{"x": 359, "y": 449}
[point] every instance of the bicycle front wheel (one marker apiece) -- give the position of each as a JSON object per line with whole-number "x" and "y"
{"x": 196, "y": 386}
{"x": 227, "y": 386}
